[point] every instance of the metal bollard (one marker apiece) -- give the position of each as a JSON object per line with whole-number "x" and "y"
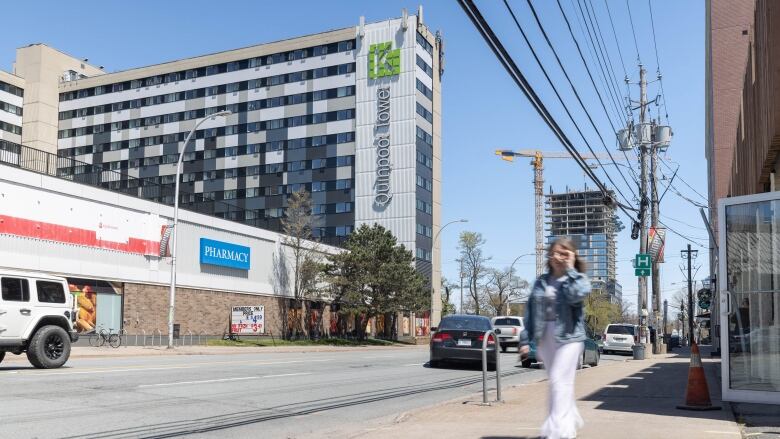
{"x": 485, "y": 339}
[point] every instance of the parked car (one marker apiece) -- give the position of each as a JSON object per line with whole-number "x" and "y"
{"x": 590, "y": 355}
{"x": 620, "y": 337}
{"x": 460, "y": 338}
{"x": 36, "y": 317}
{"x": 511, "y": 327}
{"x": 674, "y": 341}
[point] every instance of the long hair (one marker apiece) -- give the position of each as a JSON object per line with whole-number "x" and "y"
{"x": 568, "y": 244}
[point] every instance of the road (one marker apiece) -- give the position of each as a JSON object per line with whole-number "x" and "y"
{"x": 270, "y": 395}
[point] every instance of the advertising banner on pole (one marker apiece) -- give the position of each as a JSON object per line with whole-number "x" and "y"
{"x": 247, "y": 320}
{"x": 656, "y": 238}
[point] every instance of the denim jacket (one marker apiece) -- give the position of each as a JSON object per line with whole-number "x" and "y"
{"x": 570, "y": 323}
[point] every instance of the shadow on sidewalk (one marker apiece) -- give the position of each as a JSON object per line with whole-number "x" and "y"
{"x": 658, "y": 389}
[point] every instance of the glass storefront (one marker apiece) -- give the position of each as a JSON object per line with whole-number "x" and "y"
{"x": 750, "y": 303}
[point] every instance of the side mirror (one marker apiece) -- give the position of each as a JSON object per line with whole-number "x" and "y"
{"x": 497, "y": 330}
{"x": 434, "y": 328}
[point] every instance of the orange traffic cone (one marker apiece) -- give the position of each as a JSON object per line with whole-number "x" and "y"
{"x": 697, "y": 395}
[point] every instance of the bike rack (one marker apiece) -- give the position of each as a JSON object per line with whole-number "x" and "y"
{"x": 185, "y": 336}
{"x": 485, "y": 338}
{"x": 143, "y": 332}
{"x": 203, "y": 333}
{"x": 157, "y": 332}
{"x": 122, "y": 336}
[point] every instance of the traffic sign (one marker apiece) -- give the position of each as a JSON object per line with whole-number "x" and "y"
{"x": 642, "y": 264}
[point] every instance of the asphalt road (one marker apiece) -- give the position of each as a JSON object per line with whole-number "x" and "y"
{"x": 269, "y": 395}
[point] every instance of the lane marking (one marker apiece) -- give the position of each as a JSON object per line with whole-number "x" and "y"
{"x": 287, "y": 375}
{"x": 143, "y": 368}
{"x": 179, "y": 383}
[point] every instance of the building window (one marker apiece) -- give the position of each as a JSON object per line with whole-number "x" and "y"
{"x": 422, "y": 111}
{"x": 424, "y": 136}
{"x": 425, "y": 90}
{"x": 424, "y": 230}
{"x": 423, "y": 254}
{"x": 424, "y": 160}
{"x": 343, "y": 207}
{"x": 424, "y": 183}
{"x": 318, "y": 186}
{"x": 343, "y": 230}
{"x": 422, "y": 206}
{"x": 424, "y": 44}
{"x": 343, "y": 184}
{"x": 424, "y": 66}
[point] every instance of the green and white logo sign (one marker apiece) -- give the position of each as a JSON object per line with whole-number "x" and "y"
{"x": 383, "y": 61}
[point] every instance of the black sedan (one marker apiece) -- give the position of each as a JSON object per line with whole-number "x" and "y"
{"x": 460, "y": 337}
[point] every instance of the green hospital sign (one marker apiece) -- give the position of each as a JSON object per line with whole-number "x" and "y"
{"x": 642, "y": 264}
{"x": 383, "y": 61}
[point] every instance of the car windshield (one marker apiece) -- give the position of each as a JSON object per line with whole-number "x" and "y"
{"x": 465, "y": 324}
{"x": 620, "y": 329}
{"x": 507, "y": 322}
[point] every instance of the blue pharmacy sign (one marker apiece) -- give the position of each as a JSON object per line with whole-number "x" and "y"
{"x": 224, "y": 254}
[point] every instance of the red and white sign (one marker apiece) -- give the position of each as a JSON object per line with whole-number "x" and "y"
{"x": 32, "y": 213}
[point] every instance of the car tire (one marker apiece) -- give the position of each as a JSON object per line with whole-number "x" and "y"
{"x": 49, "y": 348}
{"x": 2, "y": 355}
{"x": 491, "y": 367}
{"x": 434, "y": 364}
{"x": 526, "y": 363}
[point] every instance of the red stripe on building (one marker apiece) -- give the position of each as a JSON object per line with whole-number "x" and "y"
{"x": 10, "y": 225}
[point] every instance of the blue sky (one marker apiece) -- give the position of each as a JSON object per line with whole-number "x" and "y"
{"x": 482, "y": 110}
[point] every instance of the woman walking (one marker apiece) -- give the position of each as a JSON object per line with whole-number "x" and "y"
{"x": 554, "y": 320}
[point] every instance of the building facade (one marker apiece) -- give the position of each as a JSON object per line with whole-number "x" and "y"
{"x": 11, "y": 107}
{"x": 351, "y": 116}
{"x": 592, "y": 225}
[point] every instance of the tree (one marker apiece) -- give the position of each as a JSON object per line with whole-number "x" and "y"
{"x": 474, "y": 265}
{"x": 375, "y": 275}
{"x": 599, "y": 311}
{"x": 447, "y": 307}
{"x": 502, "y": 287}
{"x": 297, "y": 226}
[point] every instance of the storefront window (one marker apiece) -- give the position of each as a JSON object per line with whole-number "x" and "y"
{"x": 753, "y": 283}
{"x": 98, "y": 304}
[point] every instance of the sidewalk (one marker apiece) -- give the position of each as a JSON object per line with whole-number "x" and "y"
{"x": 631, "y": 399}
{"x": 78, "y": 352}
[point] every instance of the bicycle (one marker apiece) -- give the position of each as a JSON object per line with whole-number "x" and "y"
{"x": 99, "y": 338}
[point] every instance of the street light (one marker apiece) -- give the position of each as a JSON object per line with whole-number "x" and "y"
{"x": 433, "y": 288}
{"x": 511, "y": 267}
{"x": 172, "y": 303}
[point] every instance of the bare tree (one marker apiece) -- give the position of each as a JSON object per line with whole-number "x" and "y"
{"x": 502, "y": 287}
{"x": 297, "y": 226}
{"x": 474, "y": 265}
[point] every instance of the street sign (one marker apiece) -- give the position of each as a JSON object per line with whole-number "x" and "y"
{"x": 642, "y": 264}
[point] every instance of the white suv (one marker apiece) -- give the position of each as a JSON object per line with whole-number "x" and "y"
{"x": 511, "y": 327}
{"x": 620, "y": 337}
{"x": 36, "y": 316}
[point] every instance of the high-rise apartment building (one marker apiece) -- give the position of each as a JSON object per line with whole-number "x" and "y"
{"x": 592, "y": 225}
{"x": 352, "y": 116}
{"x": 11, "y": 104}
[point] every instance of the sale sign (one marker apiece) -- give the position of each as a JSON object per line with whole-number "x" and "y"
{"x": 247, "y": 320}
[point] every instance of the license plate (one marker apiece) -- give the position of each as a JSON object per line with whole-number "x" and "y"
{"x": 464, "y": 342}
{"x": 620, "y": 339}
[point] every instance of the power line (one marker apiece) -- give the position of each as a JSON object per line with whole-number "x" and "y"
{"x": 685, "y": 183}
{"x": 657, "y": 62}
{"x": 608, "y": 80}
{"x": 692, "y": 240}
{"x": 593, "y": 82}
{"x": 560, "y": 99}
{"x": 683, "y": 222}
{"x": 614, "y": 33}
{"x": 633, "y": 31}
{"x": 670, "y": 186}
{"x": 511, "y": 67}
{"x": 602, "y": 44}
{"x": 574, "y": 89}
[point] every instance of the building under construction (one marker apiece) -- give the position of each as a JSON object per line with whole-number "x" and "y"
{"x": 592, "y": 225}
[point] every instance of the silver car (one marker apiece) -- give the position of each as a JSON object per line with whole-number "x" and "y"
{"x": 511, "y": 327}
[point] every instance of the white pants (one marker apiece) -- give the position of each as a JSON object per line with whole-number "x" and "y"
{"x": 560, "y": 361}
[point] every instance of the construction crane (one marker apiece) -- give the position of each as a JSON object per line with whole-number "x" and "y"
{"x": 537, "y": 161}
